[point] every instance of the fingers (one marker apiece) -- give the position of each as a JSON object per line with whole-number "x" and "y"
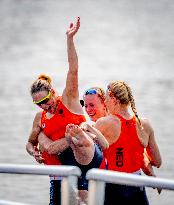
{"x": 39, "y": 158}
{"x": 73, "y": 28}
{"x": 84, "y": 126}
{"x": 75, "y": 140}
{"x": 78, "y": 22}
{"x": 72, "y": 129}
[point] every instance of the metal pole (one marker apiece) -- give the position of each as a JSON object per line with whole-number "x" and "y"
{"x": 40, "y": 169}
{"x": 129, "y": 179}
{"x": 69, "y": 174}
{"x": 4, "y": 202}
{"x": 69, "y": 194}
{"x": 96, "y": 192}
{"x": 97, "y": 179}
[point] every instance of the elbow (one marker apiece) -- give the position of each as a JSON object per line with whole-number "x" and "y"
{"x": 26, "y": 148}
{"x": 157, "y": 163}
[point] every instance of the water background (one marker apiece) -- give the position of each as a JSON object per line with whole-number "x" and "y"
{"x": 131, "y": 40}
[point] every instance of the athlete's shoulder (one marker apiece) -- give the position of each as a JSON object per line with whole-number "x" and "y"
{"x": 107, "y": 121}
{"x": 147, "y": 125}
{"x": 145, "y": 122}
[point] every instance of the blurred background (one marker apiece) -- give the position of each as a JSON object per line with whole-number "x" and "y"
{"x": 122, "y": 39}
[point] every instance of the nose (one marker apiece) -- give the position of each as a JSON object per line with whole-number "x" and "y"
{"x": 89, "y": 109}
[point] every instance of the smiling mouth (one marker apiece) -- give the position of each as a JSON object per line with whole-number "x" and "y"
{"x": 91, "y": 115}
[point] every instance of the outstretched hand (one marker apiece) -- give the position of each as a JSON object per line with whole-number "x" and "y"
{"x": 73, "y": 28}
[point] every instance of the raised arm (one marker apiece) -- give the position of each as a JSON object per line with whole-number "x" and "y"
{"x": 70, "y": 94}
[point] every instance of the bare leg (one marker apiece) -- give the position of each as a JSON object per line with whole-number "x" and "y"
{"x": 81, "y": 144}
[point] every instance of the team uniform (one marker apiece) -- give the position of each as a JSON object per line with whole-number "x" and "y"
{"x": 55, "y": 128}
{"x": 125, "y": 155}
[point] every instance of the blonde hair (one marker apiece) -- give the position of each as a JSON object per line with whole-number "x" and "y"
{"x": 42, "y": 83}
{"x": 100, "y": 92}
{"x": 121, "y": 91}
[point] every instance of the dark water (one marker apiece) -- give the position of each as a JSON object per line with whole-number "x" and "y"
{"x": 127, "y": 40}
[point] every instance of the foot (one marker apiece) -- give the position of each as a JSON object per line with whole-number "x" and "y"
{"x": 77, "y": 136}
{"x": 81, "y": 144}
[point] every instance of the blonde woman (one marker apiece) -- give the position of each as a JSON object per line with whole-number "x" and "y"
{"x": 127, "y": 135}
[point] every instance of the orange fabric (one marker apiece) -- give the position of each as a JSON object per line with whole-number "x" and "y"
{"x": 126, "y": 154}
{"x": 55, "y": 127}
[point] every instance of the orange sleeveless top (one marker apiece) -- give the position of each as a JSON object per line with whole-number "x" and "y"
{"x": 55, "y": 127}
{"x": 126, "y": 154}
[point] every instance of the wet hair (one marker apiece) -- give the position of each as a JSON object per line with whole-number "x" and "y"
{"x": 121, "y": 91}
{"x": 42, "y": 83}
{"x": 99, "y": 91}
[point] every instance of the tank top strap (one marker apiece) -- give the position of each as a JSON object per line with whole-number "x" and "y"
{"x": 43, "y": 119}
{"x": 133, "y": 119}
{"x": 59, "y": 105}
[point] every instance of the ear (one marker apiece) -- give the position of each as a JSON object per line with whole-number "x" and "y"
{"x": 115, "y": 100}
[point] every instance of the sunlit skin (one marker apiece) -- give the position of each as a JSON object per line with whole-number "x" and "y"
{"x": 69, "y": 98}
{"x": 94, "y": 107}
{"x": 114, "y": 106}
{"x": 50, "y": 106}
{"x": 109, "y": 101}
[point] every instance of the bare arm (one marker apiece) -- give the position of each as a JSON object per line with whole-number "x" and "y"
{"x": 152, "y": 149}
{"x": 109, "y": 128}
{"x": 96, "y": 135}
{"x": 70, "y": 94}
{"x": 32, "y": 143}
{"x": 153, "y": 152}
{"x": 52, "y": 147}
{"x": 33, "y": 137}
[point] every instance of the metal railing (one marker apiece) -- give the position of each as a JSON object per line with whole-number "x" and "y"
{"x": 4, "y": 202}
{"x": 97, "y": 179}
{"x": 69, "y": 176}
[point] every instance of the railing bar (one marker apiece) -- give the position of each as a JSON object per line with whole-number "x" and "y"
{"x": 69, "y": 176}
{"x": 129, "y": 179}
{"x": 4, "y": 202}
{"x": 40, "y": 170}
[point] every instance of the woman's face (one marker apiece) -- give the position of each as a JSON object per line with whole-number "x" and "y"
{"x": 94, "y": 106}
{"x": 45, "y": 100}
